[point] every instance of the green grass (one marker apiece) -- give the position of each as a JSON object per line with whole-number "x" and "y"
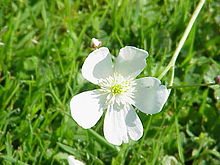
{"x": 37, "y": 81}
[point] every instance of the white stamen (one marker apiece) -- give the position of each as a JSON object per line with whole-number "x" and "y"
{"x": 119, "y": 90}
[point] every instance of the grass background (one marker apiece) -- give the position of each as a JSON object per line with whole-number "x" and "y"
{"x": 38, "y": 79}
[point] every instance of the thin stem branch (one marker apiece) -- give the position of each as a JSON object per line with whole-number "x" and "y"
{"x": 183, "y": 39}
{"x": 103, "y": 141}
{"x": 191, "y": 85}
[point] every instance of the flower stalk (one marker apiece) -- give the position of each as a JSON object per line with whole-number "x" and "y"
{"x": 101, "y": 140}
{"x": 182, "y": 41}
{"x": 191, "y": 85}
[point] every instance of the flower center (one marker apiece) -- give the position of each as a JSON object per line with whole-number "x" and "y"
{"x": 116, "y": 89}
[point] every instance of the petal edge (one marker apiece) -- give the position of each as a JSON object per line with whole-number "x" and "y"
{"x": 134, "y": 125}
{"x": 115, "y": 130}
{"x": 150, "y": 95}
{"x": 98, "y": 65}
{"x": 131, "y": 61}
{"x": 87, "y": 108}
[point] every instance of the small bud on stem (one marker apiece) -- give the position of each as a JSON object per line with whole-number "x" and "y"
{"x": 95, "y": 43}
{"x": 217, "y": 79}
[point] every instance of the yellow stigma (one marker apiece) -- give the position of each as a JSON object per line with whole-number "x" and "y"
{"x": 116, "y": 89}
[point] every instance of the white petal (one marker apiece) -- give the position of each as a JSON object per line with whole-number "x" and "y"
{"x": 87, "y": 108}
{"x": 131, "y": 61}
{"x": 150, "y": 95}
{"x": 115, "y": 130}
{"x": 134, "y": 125}
{"x": 98, "y": 65}
{"x": 73, "y": 161}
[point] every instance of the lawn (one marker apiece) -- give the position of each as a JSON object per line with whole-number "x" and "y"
{"x": 43, "y": 45}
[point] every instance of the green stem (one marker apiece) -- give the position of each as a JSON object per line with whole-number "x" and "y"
{"x": 191, "y": 85}
{"x": 183, "y": 39}
{"x": 102, "y": 140}
{"x": 147, "y": 124}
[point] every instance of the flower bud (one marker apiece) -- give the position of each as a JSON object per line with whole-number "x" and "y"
{"x": 95, "y": 43}
{"x": 217, "y": 79}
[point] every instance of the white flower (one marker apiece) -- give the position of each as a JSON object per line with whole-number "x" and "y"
{"x": 73, "y": 161}
{"x": 119, "y": 92}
